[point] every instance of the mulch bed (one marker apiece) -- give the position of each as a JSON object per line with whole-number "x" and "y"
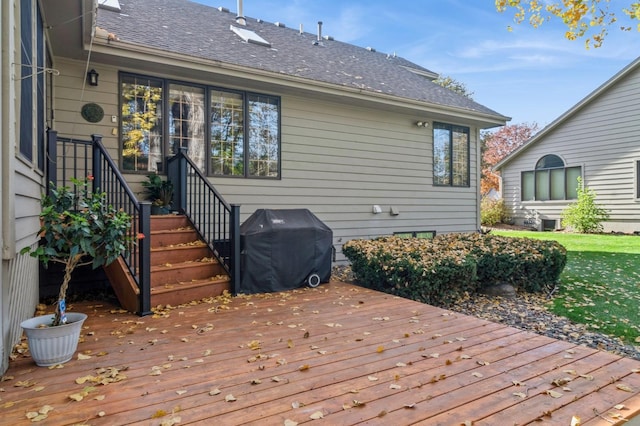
{"x": 525, "y": 311}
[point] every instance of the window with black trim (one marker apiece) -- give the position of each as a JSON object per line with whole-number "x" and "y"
{"x": 550, "y": 180}
{"x": 451, "y": 162}
{"x": 225, "y": 132}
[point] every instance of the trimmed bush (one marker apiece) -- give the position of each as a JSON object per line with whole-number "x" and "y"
{"x": 493, "y": 212}
{"x": 438, "y": 270}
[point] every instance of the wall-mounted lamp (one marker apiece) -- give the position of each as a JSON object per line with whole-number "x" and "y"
{"x": 92, "y": 78}
{"x": 422, "y": 124}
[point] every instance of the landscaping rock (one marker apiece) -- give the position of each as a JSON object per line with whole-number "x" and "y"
{"x": 500, "y": 290}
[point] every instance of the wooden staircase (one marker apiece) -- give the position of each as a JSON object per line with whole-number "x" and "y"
{"x": 183, "y": 268}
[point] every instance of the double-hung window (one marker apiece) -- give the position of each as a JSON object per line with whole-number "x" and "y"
{"x": 550, "y": 180}
{"x": 450, "y": 155}
{"x": 226, "y": 132}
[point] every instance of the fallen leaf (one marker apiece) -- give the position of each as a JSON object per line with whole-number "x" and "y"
{"x": 214, "y": 392}
{"x": 624, "y": 387}
{"x": 619, "y": 407}
{"x": 256, "y": 381}
{"x": 317, "y": 415}
{"x": 380, "y": 349}
{"x": 409, "y": 405}
{"x": 575, "y": 421}
{"x": 553, "y": 394}
{"x": 382, "y": 413}
{"x": 304, "y": 367}
{"x": 230, "y": 398}
{"x": 395, "y": 387}
{"x": 373, "y": 378}
{"x": 83, "y": 356}
{"x": 288, "y": 422}
{"x": 401, "y": 364}
{"x": 520, "y": 394}
{"x": 181, "y": 392}
{"x": 476, "y": 374}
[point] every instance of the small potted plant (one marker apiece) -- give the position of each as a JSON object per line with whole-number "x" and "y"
{"x": 160, "y": 193}
{"x": 77, "y": 228}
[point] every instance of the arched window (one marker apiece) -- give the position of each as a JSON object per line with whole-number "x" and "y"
{"x": 550, "y": 180}
{"x": 549, "y": 162}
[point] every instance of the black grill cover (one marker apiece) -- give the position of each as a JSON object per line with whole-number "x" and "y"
{"x": 281, "y": 248}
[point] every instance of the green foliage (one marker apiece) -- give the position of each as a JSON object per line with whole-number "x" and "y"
{"x": 158, "y": 190}
{"x": 436, "y": 271}
{"x": 493, "y": 212}
{"x": 599, "y": 286}
{"x": 79, "y": 228}
{"x": 454, "y": 85}
{"x": 584, "y": 215}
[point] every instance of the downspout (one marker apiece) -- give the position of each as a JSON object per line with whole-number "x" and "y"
{"x": 8, "y": 131}
{"x": 478, "y": 179}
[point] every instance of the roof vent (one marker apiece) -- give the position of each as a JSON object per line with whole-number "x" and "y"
{"x": 319, "y": 31}
{"x": 249, "y": 36}
{"x": 223, "y": 9}
{"x": 112, "y": 5}
{"x": 280, "y": 24}
{"x": 240, "y": 17}
{"x": 370, "y": 49}
{"x": 330, "y": 38}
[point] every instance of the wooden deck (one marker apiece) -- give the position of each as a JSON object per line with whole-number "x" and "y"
{"x": 340, "y": 352}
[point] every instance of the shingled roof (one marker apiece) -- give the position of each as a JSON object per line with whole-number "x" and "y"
{"x": 200, "y": 31}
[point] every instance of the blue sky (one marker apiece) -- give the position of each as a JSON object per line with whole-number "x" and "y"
{"x": 531, "y": 75}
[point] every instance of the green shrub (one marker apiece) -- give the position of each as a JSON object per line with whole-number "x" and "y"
{"x": 437, "y": 271}
{"x": 584, "y": 215}
{"x": 493, "y": 212}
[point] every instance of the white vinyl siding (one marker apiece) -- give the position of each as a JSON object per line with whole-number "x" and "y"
{"x": 603, "y": 138}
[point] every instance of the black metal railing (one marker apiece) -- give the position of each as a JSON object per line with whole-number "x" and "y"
{"x": 217, "y": 221}
{"x": 69, "y": 158}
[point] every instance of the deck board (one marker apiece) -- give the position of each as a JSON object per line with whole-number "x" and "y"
{"x": 325, "y": 347}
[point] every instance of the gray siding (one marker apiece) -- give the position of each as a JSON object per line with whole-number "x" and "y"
{"x": 604, "y": 138}
{"x": 336, "y": 160}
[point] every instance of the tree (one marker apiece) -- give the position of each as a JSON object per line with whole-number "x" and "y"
{"x": 497, "y": 145}
{"x": 584, "y": 215}
{"x": 455, "y": 85}
{"x": 583, "y": 18}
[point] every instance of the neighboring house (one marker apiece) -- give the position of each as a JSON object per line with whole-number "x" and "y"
{"x": 599, "y": 140}
{"x": 275, "y": 117}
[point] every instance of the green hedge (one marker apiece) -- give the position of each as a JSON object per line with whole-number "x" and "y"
{"x": 436, "y": 271}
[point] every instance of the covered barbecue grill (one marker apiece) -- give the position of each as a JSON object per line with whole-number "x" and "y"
{"x": 283, "y": 250}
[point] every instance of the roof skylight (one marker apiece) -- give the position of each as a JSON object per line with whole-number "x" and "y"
{"x": 250, "y": 36}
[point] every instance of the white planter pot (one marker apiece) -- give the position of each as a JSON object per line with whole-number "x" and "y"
{"x": 53, "y": 345}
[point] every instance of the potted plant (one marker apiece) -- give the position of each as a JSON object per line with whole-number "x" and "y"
{"x": 77, "y": 228}
{"x": 160, "y": 192}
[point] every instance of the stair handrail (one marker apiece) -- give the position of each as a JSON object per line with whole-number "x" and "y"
{"x": 214, "y": 219}
{"x": 107, "y": 178}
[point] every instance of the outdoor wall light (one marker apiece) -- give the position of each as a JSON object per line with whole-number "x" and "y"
{"x": 422, "y": 124}
{"x": 92, "y": 78}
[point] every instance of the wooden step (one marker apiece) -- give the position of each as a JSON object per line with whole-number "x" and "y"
{"x": 185, "y": 292}
{"x": 183, "y": 268}
{"x": 169, "y": 221}
{"x": 173, "y": 237}
{"x": 178, "y": 254}
{"x": 186, "y": 271}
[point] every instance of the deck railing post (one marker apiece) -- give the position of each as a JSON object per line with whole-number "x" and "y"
{"x": 235, "y": 248}
{"x": 144, "y": 259}
{"x": 97, "y": 164}
{"x": 52, "y": 159}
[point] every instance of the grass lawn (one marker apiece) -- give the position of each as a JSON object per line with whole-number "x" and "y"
{"x": 600, "y": 285}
